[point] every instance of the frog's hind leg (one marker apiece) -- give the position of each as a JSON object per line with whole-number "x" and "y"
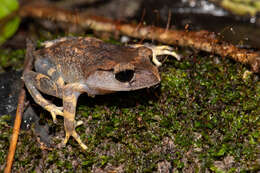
{"x": 49, "y": 81}
{"x": 45, "y": 67}
{"x": 37, "y": 81}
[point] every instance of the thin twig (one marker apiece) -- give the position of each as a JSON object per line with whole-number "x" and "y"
{"x": 168, "y": 20}
{"x": 202, "y": 40}
{"x": 20, "y": 109}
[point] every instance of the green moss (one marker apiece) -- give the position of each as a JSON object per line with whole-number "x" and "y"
{"x": 11, "y": 59}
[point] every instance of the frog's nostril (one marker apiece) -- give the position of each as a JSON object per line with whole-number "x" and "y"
{"x": 125, "y": 76}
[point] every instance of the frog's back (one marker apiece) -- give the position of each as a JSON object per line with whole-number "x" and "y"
{"x": 70, "y": 49}
{"x": 77, "y": 57}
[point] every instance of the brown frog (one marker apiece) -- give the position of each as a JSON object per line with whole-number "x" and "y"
{"x": 70, "y": 66}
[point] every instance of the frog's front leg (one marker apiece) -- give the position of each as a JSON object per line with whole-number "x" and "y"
{"x": 71, "y": 93}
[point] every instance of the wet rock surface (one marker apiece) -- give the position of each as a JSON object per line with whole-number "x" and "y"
{"x": 10, "y": 85}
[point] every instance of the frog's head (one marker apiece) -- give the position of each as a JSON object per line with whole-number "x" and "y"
{"x": 130, "y": 72}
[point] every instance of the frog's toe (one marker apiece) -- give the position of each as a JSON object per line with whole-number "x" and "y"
{"x": 54, "y": 117}
{"x": 59, "y": 110}
{"x": 163, "y": 50}
{"x": 156, "y": 61}
{"x": 54, "y": 110}
{"x": 76, "y": 137}
{"x": 79, "y": 123}
{"x": 70, "y": 131}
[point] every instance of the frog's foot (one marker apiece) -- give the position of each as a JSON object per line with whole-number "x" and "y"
{"x": 79, "y": 123}
{"x": 54, "y": 110}
{"x": 163, "y": 50}
{"x": 70, "y": 131}
{"x": 159, "y": 50}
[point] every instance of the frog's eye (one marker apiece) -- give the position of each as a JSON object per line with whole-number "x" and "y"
{"x": 125, "y": 75}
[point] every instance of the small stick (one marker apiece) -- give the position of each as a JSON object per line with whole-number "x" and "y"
{"x": 168, "y": 20}
{"x": 20, "y": 109}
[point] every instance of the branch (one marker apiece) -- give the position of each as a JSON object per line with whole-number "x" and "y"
{"x": 202, "y": 40}
{"x": 19, "y": 110}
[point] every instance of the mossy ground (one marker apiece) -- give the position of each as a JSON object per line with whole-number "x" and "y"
{"x": 203, "y": 117}
{"x": 10, "y": 59}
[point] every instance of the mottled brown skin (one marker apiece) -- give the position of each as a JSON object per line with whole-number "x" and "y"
{"x": 70, "y": 66}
